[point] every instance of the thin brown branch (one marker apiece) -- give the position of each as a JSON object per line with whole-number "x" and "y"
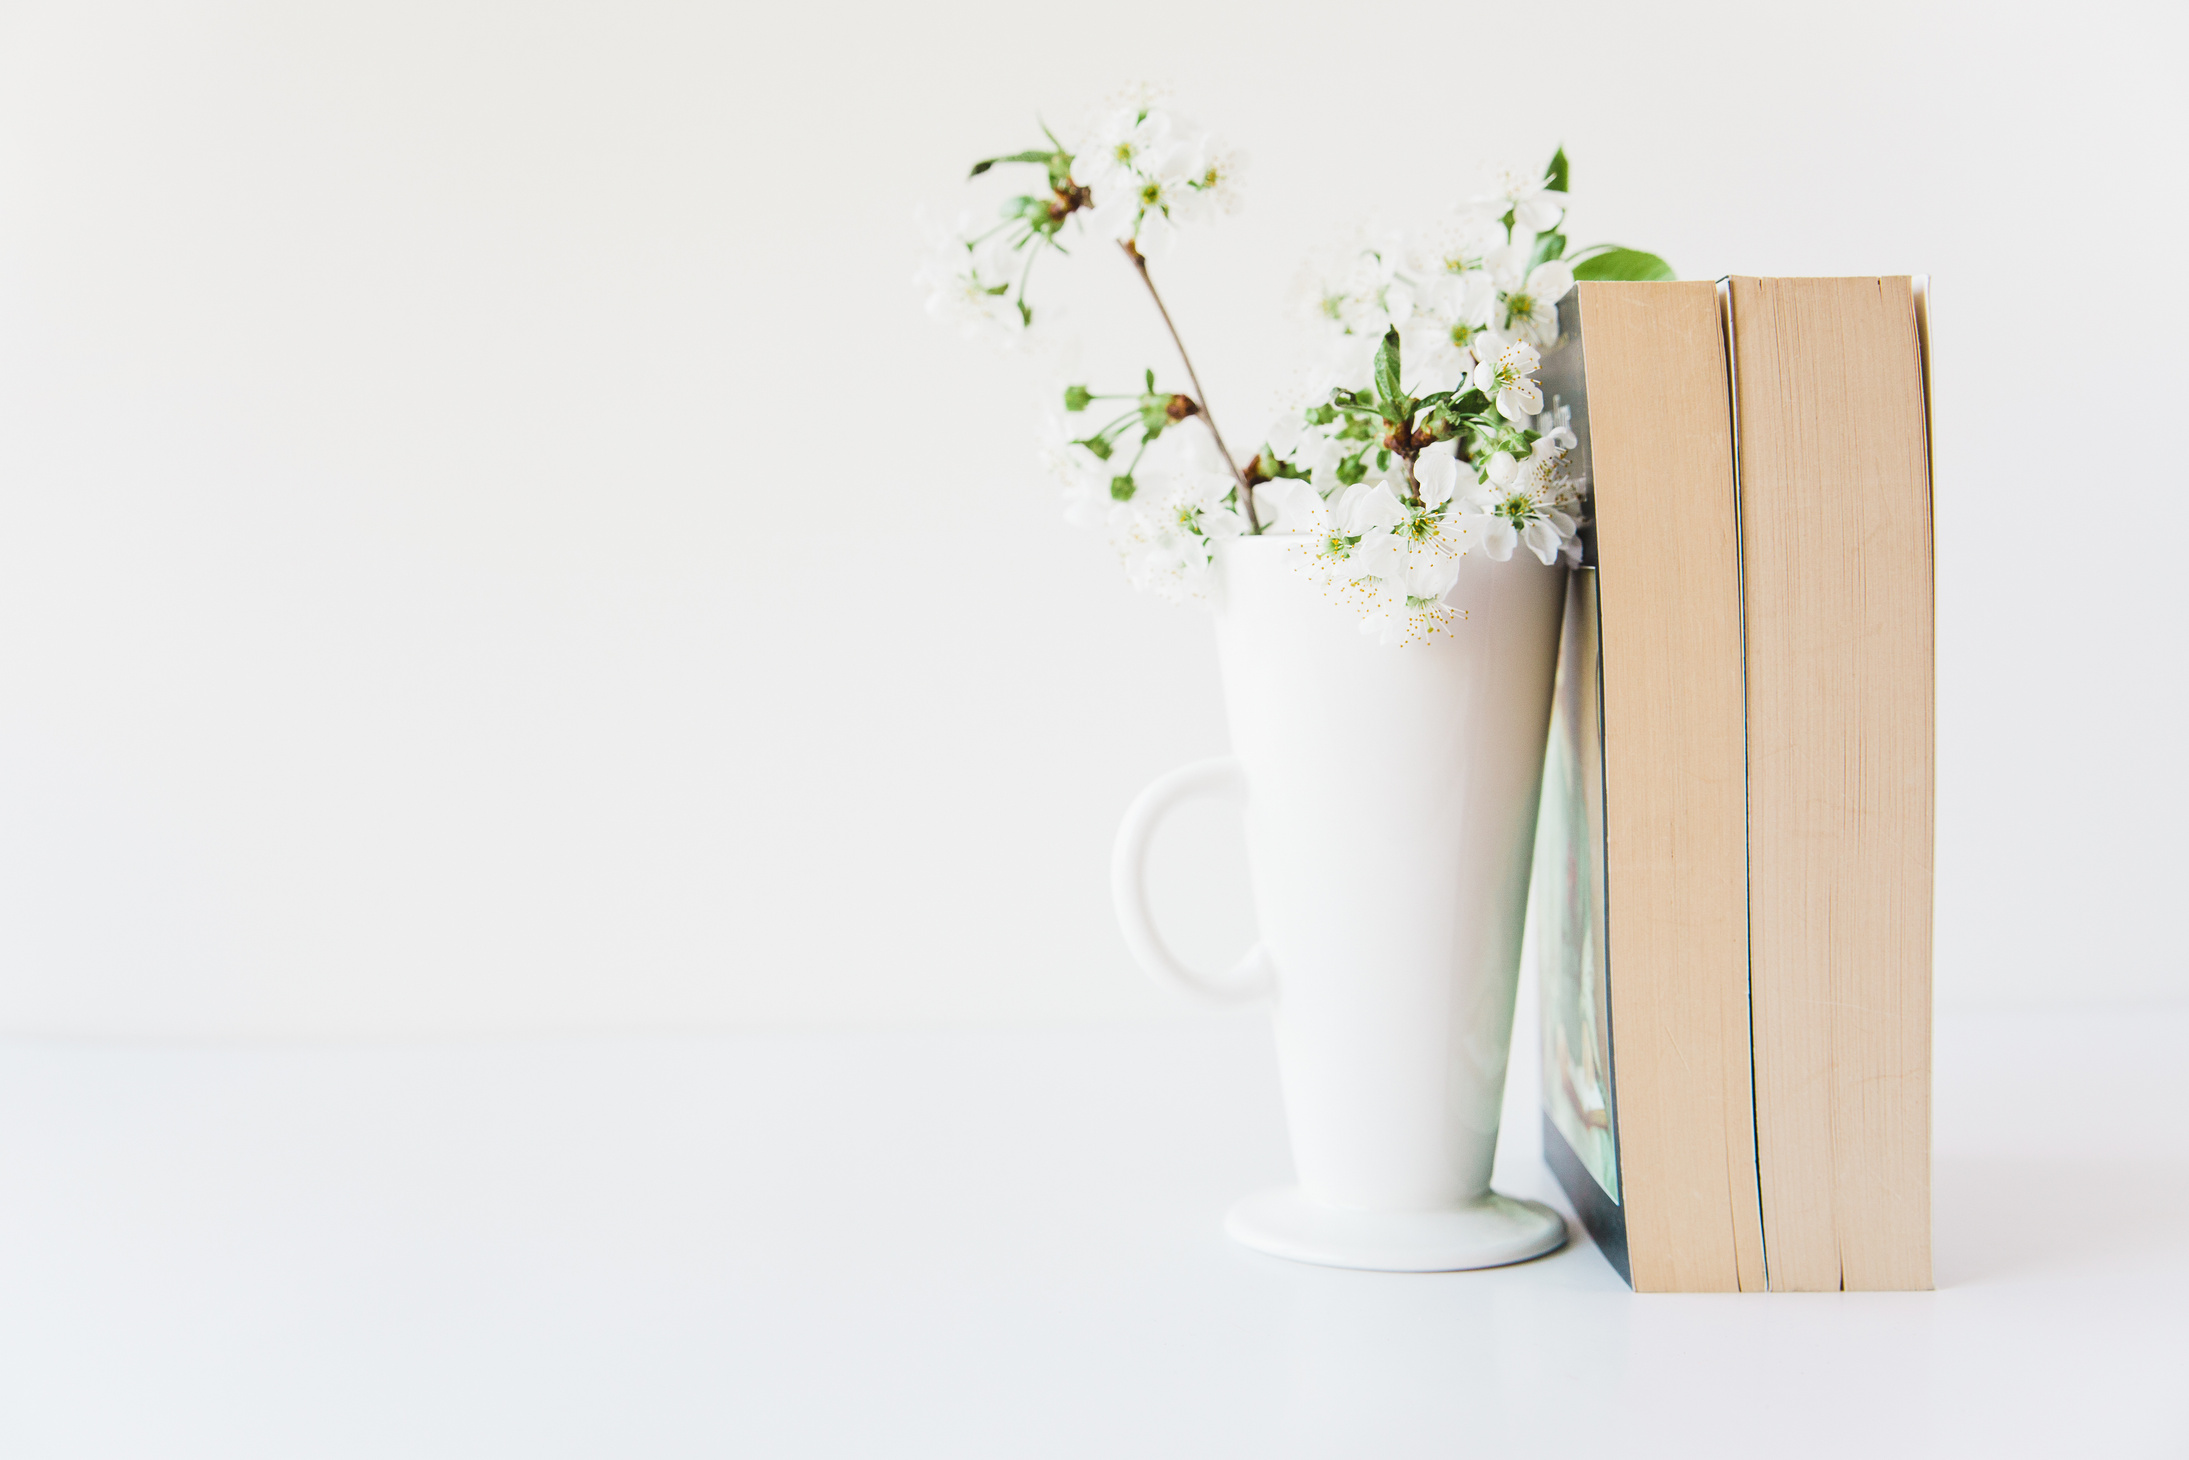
{"x": 1246, "y": 490}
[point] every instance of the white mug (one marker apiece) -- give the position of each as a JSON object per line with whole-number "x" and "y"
{"x": 1389, "y": 796}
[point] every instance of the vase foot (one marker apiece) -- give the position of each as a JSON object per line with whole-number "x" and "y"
{"x": 1488, "y": 1233}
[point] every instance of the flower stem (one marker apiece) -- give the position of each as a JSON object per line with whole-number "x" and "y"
{"x": 1246, "y": 492}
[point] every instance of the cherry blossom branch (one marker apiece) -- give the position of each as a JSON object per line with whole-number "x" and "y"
{"x": 1246, "y": 491}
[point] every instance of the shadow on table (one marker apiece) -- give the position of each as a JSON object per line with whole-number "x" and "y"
{"x": 1997, "y": 1219}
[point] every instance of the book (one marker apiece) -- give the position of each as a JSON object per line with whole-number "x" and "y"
{"x": 1732, "y": 886}
{"x": 1648, "y": 1100}
{"x": 1832, "y": 427}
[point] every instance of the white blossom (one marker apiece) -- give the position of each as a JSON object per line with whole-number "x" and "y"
{"x": 1365, "y": 510}
{"x": 1461, "y": 246}
{"x": 1538, "y": 511}
{"x": 1214, "y": 188}
{"x": 1526, "y": 299}
{"x": 1290, "y": 506}
{"x": 1137, "y": 209}
{"x": 1438, "y": 472}
{"x": 1320, "y": 455}
{"x": 1169, "y": 543}
{"x": 1408, "y": 606}
{"x": 1437, "y": 342}
{"x": 1084, "y": 481}
{"x": 967, "y": 282}
{"x": 1528, "y": 197}
{"x": 1149, "y": 170}
{"x": 1503, "y": 470}
{"x": 1379, "y": 296}
{"x": 1403, "y": 574}
{"x": 1122, "y": 145}
{"x": 1507, "y": 377}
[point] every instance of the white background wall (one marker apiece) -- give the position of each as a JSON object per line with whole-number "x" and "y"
{"x": 488, "y": 540}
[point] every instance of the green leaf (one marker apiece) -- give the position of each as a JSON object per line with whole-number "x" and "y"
{"x": 1556, "y": 174}
{"x": 1032, "y": 210}
{"x": 1387, "y": 372}
{"x": 1076, "y": 397}
{"x": 1549, "y": 246}
{"x": 1151, "y": 382}
{"x": 1623, "y": 263}
{"x": 987, "y": 162}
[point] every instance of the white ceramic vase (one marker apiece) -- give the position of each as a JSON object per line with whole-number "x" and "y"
{"x": 1390, "y": 799}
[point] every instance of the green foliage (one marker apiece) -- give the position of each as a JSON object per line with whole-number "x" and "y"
{"x": 987, "y": 162}
{"x": 1622, "y": 263}
{"x": 1057, "y": 163}
{"x": 1557, "y": 173}
{"x": 1549, "y": 246}
{"x": 1387, "y": 374}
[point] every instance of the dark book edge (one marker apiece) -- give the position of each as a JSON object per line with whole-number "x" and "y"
{"x": 1566, "y": 377}
{"x": 1748, "y": 850}
{"x": 1605, "y": 1220}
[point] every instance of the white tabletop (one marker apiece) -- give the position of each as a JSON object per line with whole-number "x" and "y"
{"x": 999, "y": 1243}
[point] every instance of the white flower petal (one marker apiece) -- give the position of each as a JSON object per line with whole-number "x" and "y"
{"x": 1543, "y": 541}
{"x": 1550, "y": 281}
{"x": 1378, "y": 555}
{"x": 1437, "y": 471}
{"x": 1375, "y": 510}
{"x": 1499, "y": 539}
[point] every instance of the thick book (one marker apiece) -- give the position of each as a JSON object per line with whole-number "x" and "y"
{"x": 1705, "y": 1107}
{"x": 1641, "y": 887}
{"x": 1833, "y": 441}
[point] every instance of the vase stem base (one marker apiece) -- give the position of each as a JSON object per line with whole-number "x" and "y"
{"x": 1488, "y": 1233}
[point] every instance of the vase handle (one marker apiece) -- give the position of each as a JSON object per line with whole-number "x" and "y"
{"x": 1254, "y": 975}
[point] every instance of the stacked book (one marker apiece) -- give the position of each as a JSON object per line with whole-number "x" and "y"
{"x": 1732, "y": 894}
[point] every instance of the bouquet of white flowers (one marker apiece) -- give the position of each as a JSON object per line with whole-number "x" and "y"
{"x": 1423, "y": 432}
